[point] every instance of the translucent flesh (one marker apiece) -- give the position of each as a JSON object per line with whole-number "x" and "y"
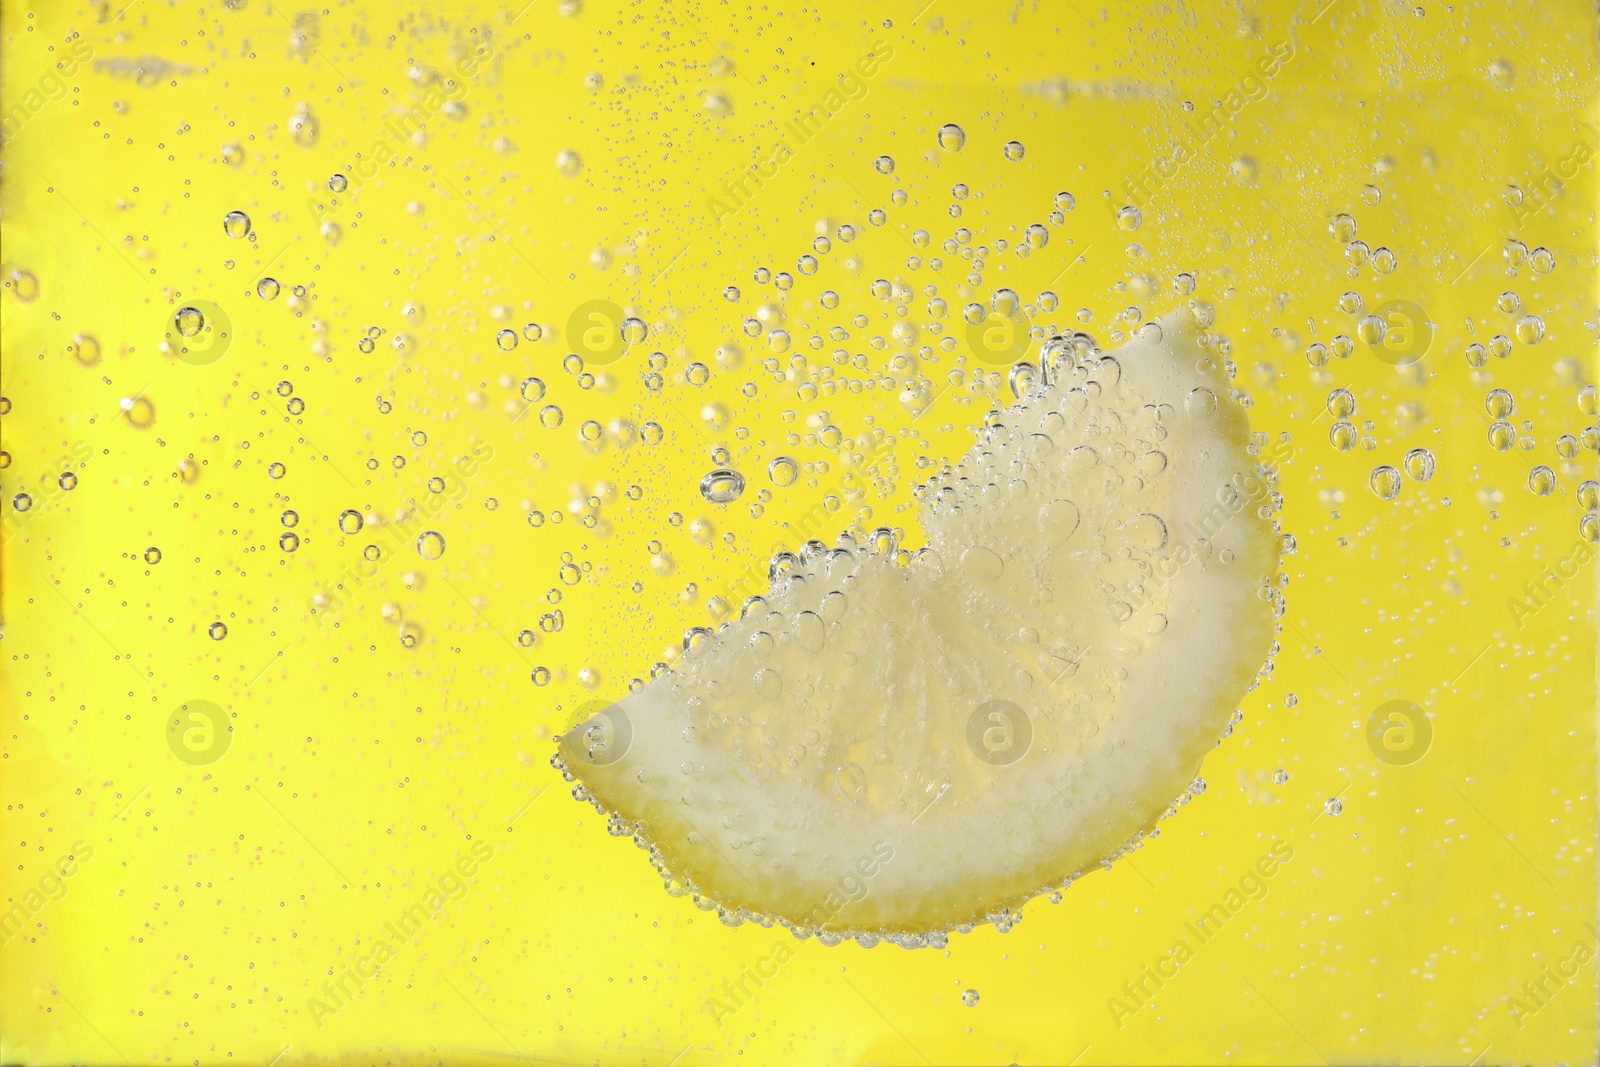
{"x": 1102, "y": 562}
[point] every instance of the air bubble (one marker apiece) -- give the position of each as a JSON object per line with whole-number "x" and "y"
{"x": 430, "y": 544}
{"x": 783, "y": 472}
{"x": 1419, "y": 464}
{"x": 722, "y": 486}
{"x": 1385, "y": 482}
{"x": 1541, "y": 481}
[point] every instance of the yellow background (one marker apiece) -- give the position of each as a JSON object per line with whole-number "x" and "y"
{"x": 221, "y": 896}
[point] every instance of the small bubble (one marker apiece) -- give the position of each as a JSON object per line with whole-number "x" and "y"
{"x": 217, "y": 630}
{"x": 722, "y": 486}
{"x": 268, "y": 288}
{"x": 236, "y": 224}
{"x": 952, "y": 138}
{"x": 1385, "y": 482}
{"x": 1130, "y": 218}
{"x": 24, "y": 285}
{"x": 152, "y": 555}
{"x": 1541, "y": 481}
{"x": 569, "y": 163}
{"x": 883, "y": 165}
{"x": 1014, "y": 150}
{"x": 1419, "y": 464}
{"x": 430, "y": 544}
{"x": 189, "y": 321}
{"x": 783, "y": 471}
{"x": 970, "y": 998}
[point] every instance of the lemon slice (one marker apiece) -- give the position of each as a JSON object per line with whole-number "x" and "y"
{"x": 893, "y": 747}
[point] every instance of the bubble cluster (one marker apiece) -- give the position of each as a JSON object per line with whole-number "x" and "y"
{"x": 1103, "y": 452}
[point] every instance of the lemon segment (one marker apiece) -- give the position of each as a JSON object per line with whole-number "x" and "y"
{"x": 886, "y": 749}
